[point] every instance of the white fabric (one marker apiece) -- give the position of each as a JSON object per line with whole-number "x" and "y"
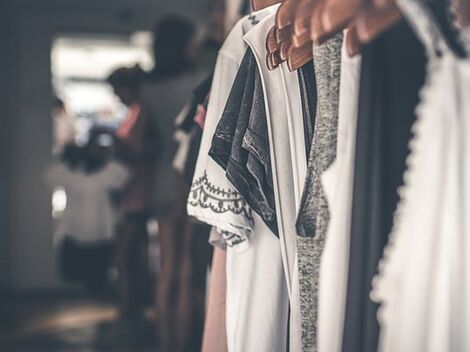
{"x": 257, "y": 299}
{"x": 288, "y": 159}
{"x": 405, "y": 289}
{"x": 338, "y": 185}
{"x": 89, "y": 215}
{"x": 213, "y": 199}
{"x": 423, "y": 282}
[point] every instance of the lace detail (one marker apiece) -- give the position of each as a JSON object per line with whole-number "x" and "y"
{"x": 205, "y": 195}
{"x": 382, "y": 284}
{"x": 423, "y": 23}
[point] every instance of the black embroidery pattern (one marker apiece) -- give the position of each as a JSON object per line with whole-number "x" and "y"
{"x": 205, "y": 195}
{"x": 232, "y": 239}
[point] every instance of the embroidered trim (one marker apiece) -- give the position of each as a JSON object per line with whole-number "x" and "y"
{"x": 207, "y": 196}
{"x": 232, "y": 239}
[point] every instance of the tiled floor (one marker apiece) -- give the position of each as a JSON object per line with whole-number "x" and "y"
{"x": 51, "y": 323}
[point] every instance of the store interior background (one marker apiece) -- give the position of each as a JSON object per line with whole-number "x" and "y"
{"x": 28, "y": 30}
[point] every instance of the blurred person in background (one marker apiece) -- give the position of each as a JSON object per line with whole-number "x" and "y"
{"x": 167, "y": 88}
{"x": 135, "y": 144}
{"x": 63, "y": 124}
{"x": 85, "y": 228}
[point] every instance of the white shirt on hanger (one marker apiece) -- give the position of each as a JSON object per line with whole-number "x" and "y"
{"x": 338, "y": 185}
{"x": 423, "y": 279}
{"x": 257, "y": 298}
{"x": 288, "y": 160}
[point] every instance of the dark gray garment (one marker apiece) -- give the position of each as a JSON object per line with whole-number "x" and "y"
{"x": 222, "y": 141}
{"x": 312, "y": 222}
{"x": 256, "y": 143}
{"x": 392, "y": 74}
{"x": 240, "y": 143}
{"x": 308, "y": 94}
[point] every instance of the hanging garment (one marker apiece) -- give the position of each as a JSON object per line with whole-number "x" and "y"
{"x": 242, "y": 151}
{"x": 313, "y": 214}
{"x": 212, "y": 198}
{"x": 422, "y": 284}
{"x": 227, "y": 149}
{"x": 257, "y": 299}
{"x": 215, "y": 330}
{"x": 338, "y": 185}
{"x": 387, "y": 100}
{"x": 288, "y": 159}
{"x": 89, "y": 215}
{"x": 257, "y": 296}
{"x": 258, "y": 164}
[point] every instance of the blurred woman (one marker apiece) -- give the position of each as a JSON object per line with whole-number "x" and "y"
{"x": 136, "y": 147}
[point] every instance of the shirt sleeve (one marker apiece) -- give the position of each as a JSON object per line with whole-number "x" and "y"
{"x": 212, "y": 198}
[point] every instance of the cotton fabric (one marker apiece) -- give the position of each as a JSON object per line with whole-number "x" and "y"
{"x": 387, "y": 100}
{"x": 313, "y": 217}
{"x": 288, "y": 159}
{"x": 422, "y": 284}
{"x": 257, "y": 299}
{"x": 338, "y": 185}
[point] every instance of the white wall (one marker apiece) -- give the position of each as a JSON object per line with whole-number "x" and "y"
{"x": 26, "y": 31}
